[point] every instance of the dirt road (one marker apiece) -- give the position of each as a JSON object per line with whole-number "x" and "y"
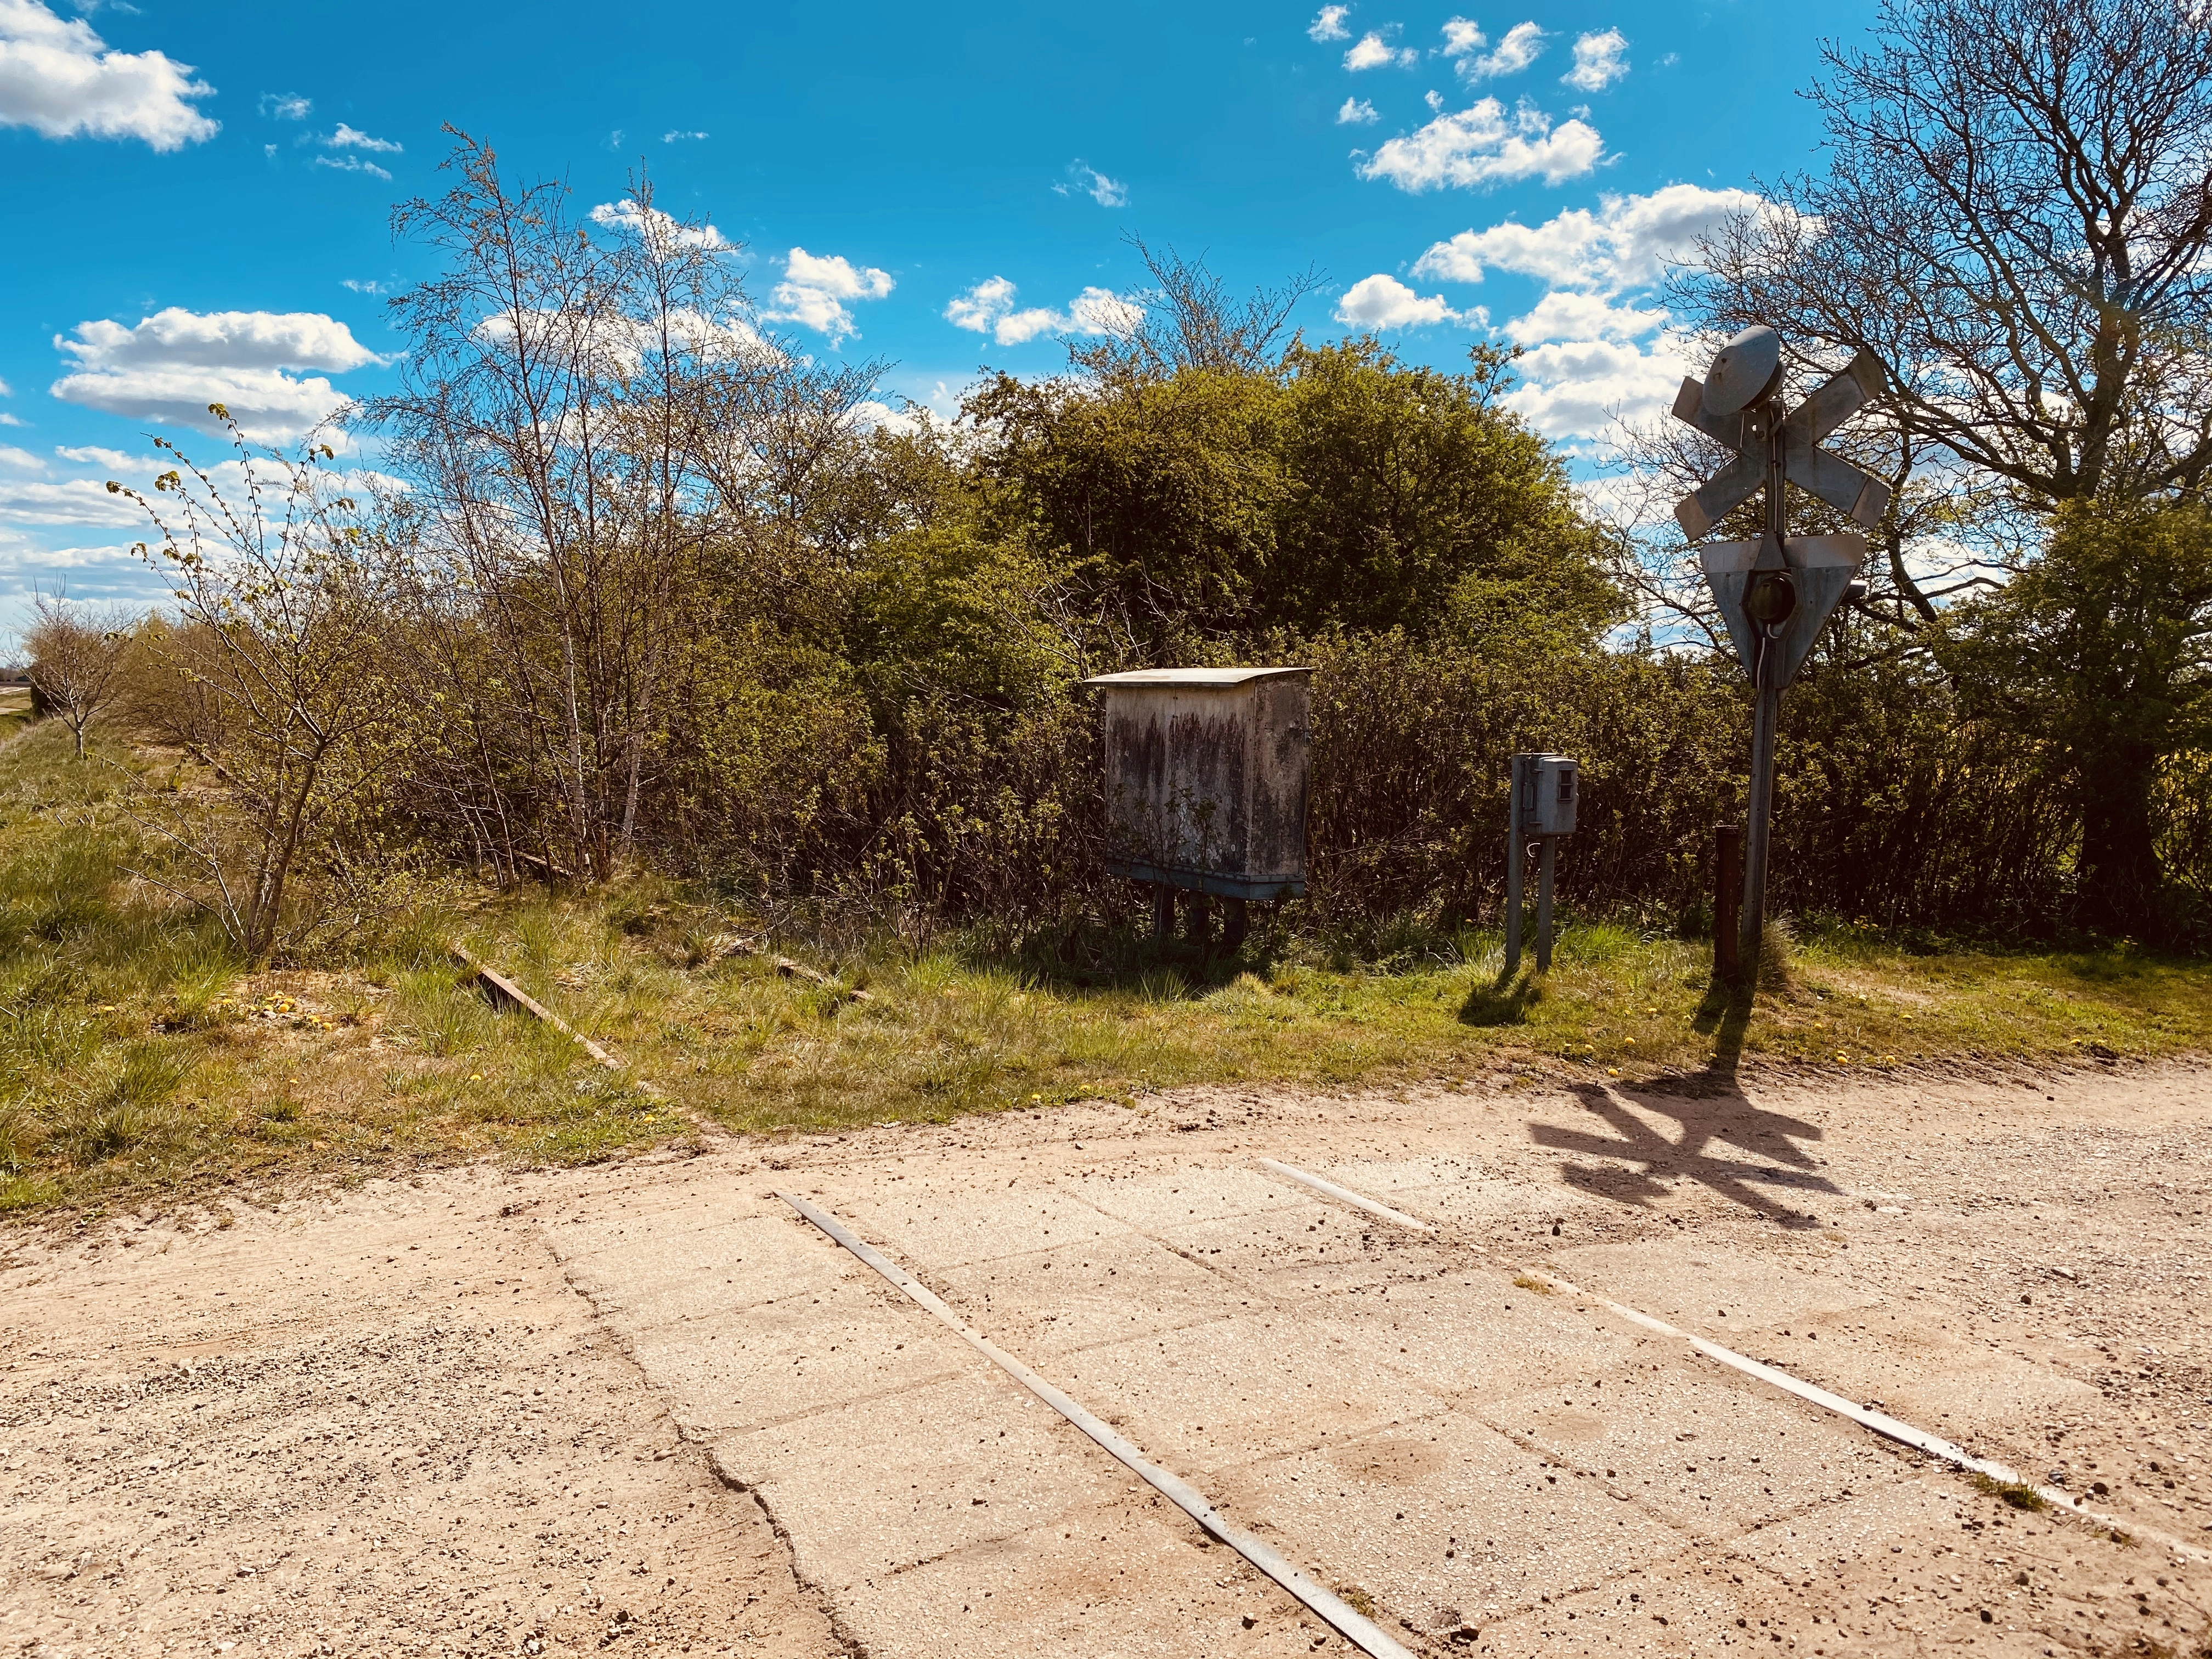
{"x": 645, "y": 1407}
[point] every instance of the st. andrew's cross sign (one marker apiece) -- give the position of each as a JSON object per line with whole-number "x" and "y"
{"x": 1776, "y": 593}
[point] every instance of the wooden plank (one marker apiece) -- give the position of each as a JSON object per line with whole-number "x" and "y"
{"x": 502, "y": 986}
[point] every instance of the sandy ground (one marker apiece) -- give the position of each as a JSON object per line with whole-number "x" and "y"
{"x": 645, "y": 1408}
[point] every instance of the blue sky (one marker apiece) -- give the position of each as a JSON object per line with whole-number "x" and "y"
{"x": 194, "y": 199}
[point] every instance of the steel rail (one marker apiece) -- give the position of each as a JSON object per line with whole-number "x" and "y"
{"x": 1881, "y": 1423}
{"x": 1361, "y": 1632}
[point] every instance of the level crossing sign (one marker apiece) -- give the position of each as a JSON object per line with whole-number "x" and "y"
{"x": 1778, "y": 593}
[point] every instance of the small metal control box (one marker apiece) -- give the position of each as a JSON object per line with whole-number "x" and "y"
{"x": 1544, "y": 791}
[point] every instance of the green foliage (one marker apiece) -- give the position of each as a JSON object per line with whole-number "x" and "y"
{"x": 2099, "y": 657}
{"x": 1340, "y": 489}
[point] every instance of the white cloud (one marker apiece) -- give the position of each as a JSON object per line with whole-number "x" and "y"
{"x": 22, "y": 459}
{"x": 1480, "y": 145}
{"x": 352, "y": 164}
{"x": 1371, "y": 51}
{"x": 679, "y": 136}
{"x": 1579, "y": 388}
{"x": 1084, "y": 179}
{"x": 1600, "y": 60}
{"x": 627, "y": 216}
{"x": 10, "y": 420}
{"x": 83, "y": 502}
{"x": 59, "y": 78}
{"x": 348, "y": 137}
{"x": 1383, "y": 301}
{"x": 1356, "y": 111}
{"x": 173, "y": 364}
{"x": 988, "y": 308}
{"x": 4, "y": 391}
{"x": 285, "y": 106}
{"x": 813, "y": 292}
{"x": 1523, "y": 45}
{"x": 360, "y": 286}
{"x": 1328, "y": 24}
{"x": 1562, "y": 315}
{"x": 112, "y": 462}
{"x": 1625, "y": 244}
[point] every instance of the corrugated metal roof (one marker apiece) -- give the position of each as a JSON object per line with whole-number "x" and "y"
{"x": 1197, "y": 679}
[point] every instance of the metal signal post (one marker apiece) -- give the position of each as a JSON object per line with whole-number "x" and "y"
{"x": 1778, "y": 593}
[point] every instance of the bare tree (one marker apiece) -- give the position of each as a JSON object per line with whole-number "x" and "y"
{"x": 286, "y": 619}
{"x": 78, "y": 655}
{"x": 1192, "y": 323}
{"x": 547, "y": 426}
{"x": 2017, "y": 222}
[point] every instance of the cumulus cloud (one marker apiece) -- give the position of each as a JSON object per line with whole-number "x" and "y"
{"x": 1482, "y": 145}
{"x": 1084, "y": 180}
{"x": 352, "y": 164}
{"x": 1371, "y": 51}
{"x": 627, "y": 216}
{"x": 60, "y": 79}
{"x": 22, "y": 460}
{"x": 81, "y": 502}
{"x": 989, "y": 308}
{"x": 171, "y": 366}
{"x": 1579, "y": 388}
{"x": 1597, "y": 348}
{"x": 112, "y": 462}
{"x": 347, "y": 137}
{"x": 1625, "y": 244}
{"x": 814, "y": 291}
{"x": 285, "y": 106}
{"x": 1463, "y": 42}
{"x": 1356, "y": 111}
{"x": 1562, "y": 315}
{"x": 1328, "y": 24}
{"x": 1383, "y": 301}
{"x": 1600, "y": 60}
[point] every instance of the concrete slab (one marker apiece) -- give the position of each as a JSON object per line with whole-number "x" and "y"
{"x": 979, "y": 1214}
{"x": 1219, "y": 1394}
{"x": 1716, "y": 1455}
{"x": 885, "y": 1484}
{"x": 647, "y": 1274}
{"x": 1111, "y": 1583}
{"x": 1079, "y": 1295}
{"x": 1158, "y": 1194}
{"x": 1475, "y": 1336}
{"x": 788, "y": 1356}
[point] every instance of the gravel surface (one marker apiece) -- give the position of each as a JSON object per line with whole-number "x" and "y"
{"x": 643, "y": 1408}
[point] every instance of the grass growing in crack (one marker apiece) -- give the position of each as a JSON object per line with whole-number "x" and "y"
{"x": 2020, "y": 1494}
{"x": 1527, "y": 1282}
{"x": 1356, "y": 1599}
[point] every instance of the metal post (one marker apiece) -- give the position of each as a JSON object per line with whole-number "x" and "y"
{"x": 1514, "y": 860}
{"x": 1728, "y": 902}
{"x": 1544, "y": 903}
{"x": 1766, "y": 716}
{"x": 1197, "y": 920}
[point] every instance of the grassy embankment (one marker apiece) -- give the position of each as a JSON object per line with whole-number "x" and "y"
{"x": 139, "y": 1063}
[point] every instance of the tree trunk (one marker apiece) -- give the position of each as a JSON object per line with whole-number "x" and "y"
{"x": 2120, "y": 878}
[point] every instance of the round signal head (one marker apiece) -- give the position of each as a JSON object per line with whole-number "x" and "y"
{"x": 1746, "y": 372}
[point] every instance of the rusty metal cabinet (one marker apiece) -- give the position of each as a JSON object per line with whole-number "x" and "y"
{"x": 1205, "y": 778}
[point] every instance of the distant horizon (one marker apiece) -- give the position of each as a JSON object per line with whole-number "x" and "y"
{"x": 948, "y": 197}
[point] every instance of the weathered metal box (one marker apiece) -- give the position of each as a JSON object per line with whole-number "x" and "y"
{"x": 1544, "y": 790}
{"x": 1205, "y": 778}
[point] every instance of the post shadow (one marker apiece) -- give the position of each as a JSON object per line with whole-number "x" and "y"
{"x": 1711, "y": 1115}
